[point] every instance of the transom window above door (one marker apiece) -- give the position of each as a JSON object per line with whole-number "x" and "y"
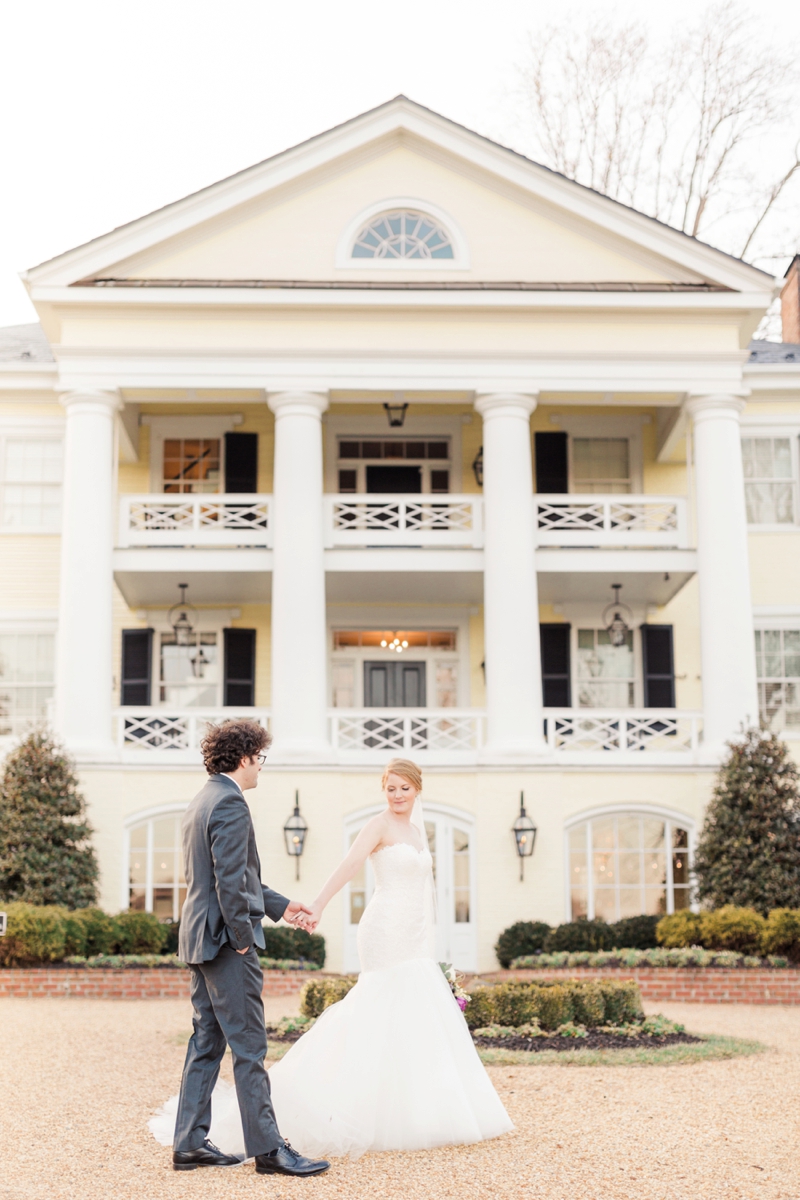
{"x": 403, "y": 234}
{"x": 393, "y": 465}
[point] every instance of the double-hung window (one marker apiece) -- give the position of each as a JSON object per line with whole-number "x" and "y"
{"x": 770, "y": 479}
{"x": 27, "y": 680}
{"x": 30, "y": 488}
{"x": 778, "y": 673}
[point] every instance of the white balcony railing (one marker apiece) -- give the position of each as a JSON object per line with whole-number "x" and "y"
{"x": 195, "y": 520}
{"x": 449, "y": 732}
{"x": 170, "y": 729}
{"x": 620, "y": 520}
{"x": 431, "y": 520}
{"x": 445, "y": 735}
{"x": 621, "y": 731}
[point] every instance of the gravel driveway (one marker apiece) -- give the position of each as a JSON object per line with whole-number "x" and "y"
{"x": 79, "y": 1078}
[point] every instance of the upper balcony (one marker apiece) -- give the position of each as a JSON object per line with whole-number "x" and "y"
{"x": 437, "y": 522}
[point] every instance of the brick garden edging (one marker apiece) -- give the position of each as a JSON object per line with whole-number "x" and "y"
{"x": 694, "y": 985}
{"x": 698, "y": 985}
{"x": 130, "y": 983}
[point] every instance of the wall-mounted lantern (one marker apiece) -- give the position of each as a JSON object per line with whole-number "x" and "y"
{"x": 524, "y": 832}
{"x": 294, "y": 832}
{"x": 477, "y": 467}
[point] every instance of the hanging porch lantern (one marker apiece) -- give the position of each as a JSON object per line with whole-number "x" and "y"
{"x": 396, "y": 411}
{"x": 294, "y": 832}
{"x": 524, "y": 832}
{"x": 477, "y": 467}
{"x": 183, "y": 618}
{"x": 615, "y": 624}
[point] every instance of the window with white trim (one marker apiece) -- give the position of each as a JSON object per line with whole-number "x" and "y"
{"x": 605, "y": 674}
{"x": 601, "y": 465}
{"x": 403, "y": 234}
{"x": 27, "y": 680}
{"x": 191, "y": 465}
{"x": 31, "y": 483}
{"x": 778, "y": 673}
{"x": 156, "y": 879}
{"x": 626, "y": 864}
{"x": 770, "y": 479}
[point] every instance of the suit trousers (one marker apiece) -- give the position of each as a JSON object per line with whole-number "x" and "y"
{"x": 226, "y": 998}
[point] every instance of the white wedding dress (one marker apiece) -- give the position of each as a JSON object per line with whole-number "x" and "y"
{"x": 390, "y": 1067}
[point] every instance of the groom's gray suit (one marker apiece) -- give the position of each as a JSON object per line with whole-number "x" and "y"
{"x": 225, "y": 904}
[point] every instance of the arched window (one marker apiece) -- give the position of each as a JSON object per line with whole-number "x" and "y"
{"x": 156, "y": 880}
{"x": 403, "y": 234}
{"x": 622, "y": 864}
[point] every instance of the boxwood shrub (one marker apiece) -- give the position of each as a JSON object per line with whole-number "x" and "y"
{"x": 284, "y": 942}
{"x": 317, "y": 994}
{"x": 782, "y": 933}
{"x": 598, "y": 1002}
{"x": 579, "y": 935}
{"x": 525, "y": 937}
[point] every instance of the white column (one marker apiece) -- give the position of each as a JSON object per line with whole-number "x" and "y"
{"x": 84, "y": 667}
{"x": 511, "y": 599}
{"x": 730, "y": 695}
{"x": 299, "y": 648}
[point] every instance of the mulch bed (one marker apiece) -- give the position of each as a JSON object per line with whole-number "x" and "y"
{"x": 592, "y": 1041}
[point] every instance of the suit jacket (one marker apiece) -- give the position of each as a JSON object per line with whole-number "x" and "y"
{"x": 225, "y": 898}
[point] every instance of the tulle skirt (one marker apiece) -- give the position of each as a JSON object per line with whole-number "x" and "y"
{"x": 390, "y": 1067}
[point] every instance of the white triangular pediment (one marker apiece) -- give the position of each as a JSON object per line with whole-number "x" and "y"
{"x": 293, "y": 219}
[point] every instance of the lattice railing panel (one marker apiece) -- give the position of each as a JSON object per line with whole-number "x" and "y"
{"x": 386, "y": 520}
{"x": 621, "y": 520}
{"x": 651, "y": 731}
{"x": 233, "y": 520}
{"x": 371, "y": 729}
{"x": 156, "y": 729}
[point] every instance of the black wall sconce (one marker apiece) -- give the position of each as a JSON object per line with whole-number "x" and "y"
{"x": 294, "y": 832}
{"x": 477, "y": 467}
{"x": 524, "y": 832}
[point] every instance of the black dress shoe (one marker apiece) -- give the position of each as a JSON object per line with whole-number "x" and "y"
{"x": 286, "y": 1161}
{"x": 207, "y": 1155}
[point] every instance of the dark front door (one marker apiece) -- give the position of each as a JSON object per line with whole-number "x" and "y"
{"x": 394, "y": 684}
{"x": 382, "y": 479}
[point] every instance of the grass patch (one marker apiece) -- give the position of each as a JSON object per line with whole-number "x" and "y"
{"x": 711, "y": 1047}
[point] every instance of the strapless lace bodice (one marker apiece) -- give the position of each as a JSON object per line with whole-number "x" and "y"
{"x": 397, "y": 923}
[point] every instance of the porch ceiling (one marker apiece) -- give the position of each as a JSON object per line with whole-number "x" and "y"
{"x": 647, "y": 576}
{"x": 151, "y": 576}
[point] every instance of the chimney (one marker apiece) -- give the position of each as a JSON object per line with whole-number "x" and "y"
{"x": 790, "y": 303}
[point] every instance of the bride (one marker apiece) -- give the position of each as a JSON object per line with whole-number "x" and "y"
{"x": 392, "y": 1066}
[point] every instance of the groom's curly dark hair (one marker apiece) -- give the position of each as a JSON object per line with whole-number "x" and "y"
{"x": 225, "y": 745}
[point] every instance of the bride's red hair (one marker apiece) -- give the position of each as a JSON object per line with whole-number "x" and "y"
{"x": 406, "y": 769}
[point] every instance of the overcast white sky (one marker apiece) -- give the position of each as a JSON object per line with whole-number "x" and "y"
{"x": 111, "y": 108}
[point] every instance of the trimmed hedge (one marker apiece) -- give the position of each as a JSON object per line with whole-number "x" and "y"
{"x": 552, "y": 1004}
{"x": 596, "y": 1002}
{"x": 735, "y": 929}
{"x": 525, "y": 937}
{"x": 47, "y": 933}
{"x": 319, "y": 993}
{"x": 285, "y": 942}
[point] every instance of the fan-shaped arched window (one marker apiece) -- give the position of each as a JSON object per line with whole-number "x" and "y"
{"x": 403, "y": 234}
{"x": 628, "y": 862}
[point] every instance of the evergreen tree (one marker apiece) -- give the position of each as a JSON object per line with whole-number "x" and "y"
{"x": 45, "y": 854}
{"x": 749, "y": 851}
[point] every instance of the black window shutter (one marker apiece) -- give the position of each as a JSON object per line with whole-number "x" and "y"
{"x": 137, "y": 665}
{"x": 550, "y": 453}
{"x": 241, "y": 462}
{"x": 658, "y": 666}
{"x": 240, "y": 668}
{"x": 556, "y": 691}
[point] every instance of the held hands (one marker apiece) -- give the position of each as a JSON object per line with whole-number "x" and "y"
{"x": 300, "y": 916}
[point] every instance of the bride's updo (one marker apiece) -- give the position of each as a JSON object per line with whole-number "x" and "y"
{"x": 406, "y": 769}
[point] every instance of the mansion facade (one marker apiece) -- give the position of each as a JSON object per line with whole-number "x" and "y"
{"x": 402, "y": 444}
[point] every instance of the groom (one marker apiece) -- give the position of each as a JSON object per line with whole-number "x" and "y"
{"x": 220, "y": 931}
